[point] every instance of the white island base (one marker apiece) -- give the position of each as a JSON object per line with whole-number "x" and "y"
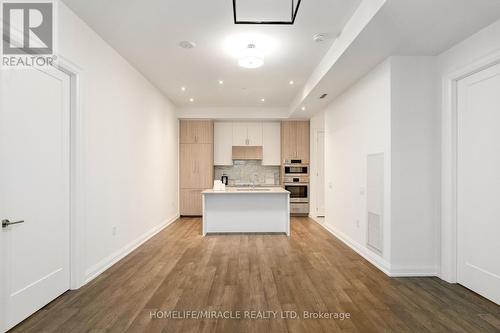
{"x": 239, "y": 210}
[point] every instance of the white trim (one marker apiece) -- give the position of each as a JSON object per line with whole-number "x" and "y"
{"x": 372, "y": 257}
{"x": 379, "y": 262}
{"x": 77, "y": 194}
{"x": 112, "y": 259}
{"x": 449, "y": 163}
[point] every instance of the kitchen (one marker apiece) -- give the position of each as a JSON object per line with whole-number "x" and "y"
{"x": 257, "y": 170}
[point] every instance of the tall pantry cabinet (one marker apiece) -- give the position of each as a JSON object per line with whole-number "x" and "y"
{"x": 295, "y": 141}
{"x": 196, "y": 163}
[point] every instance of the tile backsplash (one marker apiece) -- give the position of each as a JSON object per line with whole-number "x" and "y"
{"x": 246, "y": 172}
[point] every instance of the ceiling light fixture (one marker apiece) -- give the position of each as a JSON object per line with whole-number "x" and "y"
{"x": 221, "y": 82}
{"x": 262, "y": 100}
{"x": 251, "y": 57}
{"x": 191, "y": 99}
{"x": 303, "y": 108}
{"x": 291, "y": 82}
{"x": 183, "y": 88}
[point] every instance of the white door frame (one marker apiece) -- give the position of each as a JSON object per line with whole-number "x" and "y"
{"x": 77, "y": 173}
{"x": 449, "y": 140}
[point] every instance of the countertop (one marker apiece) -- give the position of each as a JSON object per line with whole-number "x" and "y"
{"x": 249, "y": 190}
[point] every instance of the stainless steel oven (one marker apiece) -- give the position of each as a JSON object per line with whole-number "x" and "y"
{"x": 298, "y": 186}
{"x": 296, "y": 170}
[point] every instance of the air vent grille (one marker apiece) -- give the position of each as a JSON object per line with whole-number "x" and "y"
{"x": 323, "y": 96}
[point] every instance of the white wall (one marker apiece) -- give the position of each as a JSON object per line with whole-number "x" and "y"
{"x": 357, "y": 124}
{"x": 317, "y": 124}
{"x": 390, "y": 111}
{"x": 131, "y": 147}
{"x": 414, "y": 177}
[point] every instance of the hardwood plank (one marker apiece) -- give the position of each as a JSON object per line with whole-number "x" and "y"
{"x": 312, "y": 271}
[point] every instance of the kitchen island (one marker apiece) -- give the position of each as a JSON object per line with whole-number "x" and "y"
{"x": 246, "y": 210}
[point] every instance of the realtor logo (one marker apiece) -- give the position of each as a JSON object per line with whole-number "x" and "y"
{"x": 28, "y": 33}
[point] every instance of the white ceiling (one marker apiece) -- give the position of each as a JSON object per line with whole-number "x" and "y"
{"x": 147, "y": 34}
{"x": 399, "y": 27}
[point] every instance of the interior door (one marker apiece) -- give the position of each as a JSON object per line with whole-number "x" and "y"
{"x": 34, "y": 188}
{"x": 478, "y": 182}
{"x": 320, "y": 173}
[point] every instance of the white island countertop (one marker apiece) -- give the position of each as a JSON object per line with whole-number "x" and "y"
{"x": 247, "y": 190}
{"x": 246, "y": 210}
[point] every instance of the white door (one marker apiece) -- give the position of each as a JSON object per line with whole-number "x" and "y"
{"x": 478, "y": 183}
{"x": 320, "y": 173}
{"x": 34, "y": 188}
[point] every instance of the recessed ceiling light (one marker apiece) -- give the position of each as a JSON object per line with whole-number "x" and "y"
{"x": 221, "y": 82}
{"x": 183, "y": 88}
{"x": 291, "y": 82}
{"x": 262, "y": 99}
{"x": 185, "y": 44}
{"x": 303, "y": 108}
{"x": 191, "y": 99}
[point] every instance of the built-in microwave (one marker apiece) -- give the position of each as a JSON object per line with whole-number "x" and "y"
{"x": 296, "y": 170}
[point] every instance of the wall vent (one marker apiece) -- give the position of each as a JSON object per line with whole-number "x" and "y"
{"x": 323, "y": 96}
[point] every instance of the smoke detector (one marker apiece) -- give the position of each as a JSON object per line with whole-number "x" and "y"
{"x": 185, "y": 44}
{"x": 320, "y": 37}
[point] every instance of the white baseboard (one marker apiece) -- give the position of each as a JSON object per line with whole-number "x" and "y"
{"x": 112, "y": 259}
{"x": 413, "y": 272}
{"x": 375, "y": 259}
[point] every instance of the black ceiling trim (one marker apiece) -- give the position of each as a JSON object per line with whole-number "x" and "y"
{"x": 292, "y": 18}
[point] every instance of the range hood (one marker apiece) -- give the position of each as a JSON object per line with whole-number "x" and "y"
{"x": 247, "y": 152}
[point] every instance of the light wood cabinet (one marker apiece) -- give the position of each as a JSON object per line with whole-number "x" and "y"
{"x": 196, "y": 131}
{"x": 271, "y": 143}
{"x": 196, "y": 164}
{"x": 191, "y": 202}
{"x": 247, "y": 152}
{"x": 295, "y": 141}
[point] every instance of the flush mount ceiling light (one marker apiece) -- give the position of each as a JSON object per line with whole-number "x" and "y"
{"x": 291, "y": 82}
{"x": 251, "y": 57}
{"x": 221, "y": 82}
{"x": 265, "y": 12}
{"x": 183, "y": 88}
{"x": 191, "y": 100}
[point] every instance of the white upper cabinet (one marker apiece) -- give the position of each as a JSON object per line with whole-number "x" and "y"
{"x": 229, "y": 134}
{"x": 223, "y": 143}
{"x": 240, "y": 134}
{"x": 254, "y": 134}
{"x": 247, "y": 134}
{"x": 271, "y": 136}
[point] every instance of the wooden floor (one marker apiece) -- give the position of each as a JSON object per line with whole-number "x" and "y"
{"x": 312, "y": 271}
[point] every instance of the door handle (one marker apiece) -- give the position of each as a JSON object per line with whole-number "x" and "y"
{"x": 6, "y": 223}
